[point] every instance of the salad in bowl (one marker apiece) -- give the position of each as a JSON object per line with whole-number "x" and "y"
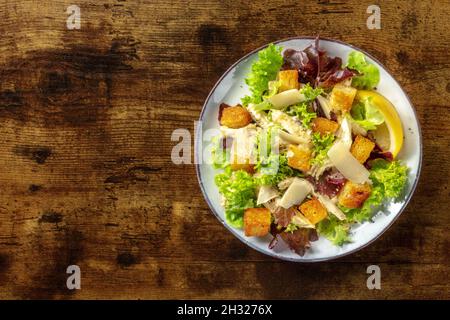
{"x": 310, "y": 151}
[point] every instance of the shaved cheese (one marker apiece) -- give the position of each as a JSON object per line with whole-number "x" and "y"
{"x": 272, "y": 205}
{"x": 346, "y": 163}
{"x": 286, "y": 98}
{"x": 330, "y": 206}
{"x": 301, "y": 221}
{"x": 345, "y": 133}
{"x": 289, "y": 137}
{"x": 325, "y": 104}
{"x": 284, "y": 184}
{"x": 296, "y": 193}
{"x": 265, "y": 194}
{"x": 317, "y": 170}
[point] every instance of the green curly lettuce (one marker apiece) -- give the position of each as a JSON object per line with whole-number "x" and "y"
{"x": 239, "y": 190}
{"x": 303, "y": 110}
{"x": 369, "y": 73}
{"x": 220, "y": 156}
{"x": 322, "y": 143}
{"x": 335, "y": 230}
{"x": 310, "y": 93}
{"x": 271, "y": 166}
{"x": 264, "y": 142}
{"x": 265, "y": 69}
{"x": 388, "y": 181}
{"x": 275, "y": 170}
{"x": 391, "y": 177}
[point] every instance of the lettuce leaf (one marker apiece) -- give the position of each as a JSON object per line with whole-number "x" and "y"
{"x": 390, "y": 176}
{"x": 310, "y": 93}
{"x": 389, "y": 180}
{"x": 274, "y": 170}
{"x": 366, "y": 114}
{"x": 263, "y": 70}
{"x": 321, "y": 146}
{"x": 219, "y": 155}
{"x": 369, "y": 73}
{"x": 263, "y": 106}
{"x": 273, "y": 87}
{"x": 302, "y": 110}
{"x": 264, "y": 142}
{"x": 239, "y": 190}
{"x": 271, "y": 166}
{"x": 338, "y": 232}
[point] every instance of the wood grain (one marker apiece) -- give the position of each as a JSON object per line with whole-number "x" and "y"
{"x": 86, "y": 178}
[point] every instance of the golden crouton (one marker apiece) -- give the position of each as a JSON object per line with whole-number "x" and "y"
{"x": 243, "y": 166}
{"x": 240, "y": 161}
{"x": 235, "y": 117}
{"x": 313, "y": 210}
{"x": 361, "y": 148}
{"x": 353, "y": 195}
{"x": 299, "y": 158}
{"x": 324, "y": 126}
{"x": 288, "y": 80}
{"x": 342, "y": 97}
{"x": 257, "y": 222}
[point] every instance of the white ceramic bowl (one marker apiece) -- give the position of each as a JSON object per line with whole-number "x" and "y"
{"x": 231, "y": 88}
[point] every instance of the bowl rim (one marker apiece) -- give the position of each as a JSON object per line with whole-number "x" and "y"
{"x": 300, "y": 259}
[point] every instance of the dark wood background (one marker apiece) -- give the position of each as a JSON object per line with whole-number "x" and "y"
{"x": 86, "y": 118}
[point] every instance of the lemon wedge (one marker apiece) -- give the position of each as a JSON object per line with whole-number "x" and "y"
{"x": 389, "y": 135}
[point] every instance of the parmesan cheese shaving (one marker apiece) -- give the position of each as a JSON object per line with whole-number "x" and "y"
{"x": 286, "y": 98}
{"x": 346, "y": 163}
{"x": 296, "y": 193}
{"x": 265, "y": 194}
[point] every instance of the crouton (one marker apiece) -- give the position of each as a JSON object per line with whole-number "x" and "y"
{"x": 241, "y": 163}
{"x": 361, "y": 148}
{"x": 324, "y": 126}
{"x": 353, "y": 195}
{"x": 250, "y": 168}
{"x": 313, "y": 210}
{"x": 288, "y": 80}
{"x": 257, "y": 222}
{"x": 341, "y": 98}
{"x": 235, "y": 117}
{"x": 299, "y": 158}
{"x": 243, "y": 151}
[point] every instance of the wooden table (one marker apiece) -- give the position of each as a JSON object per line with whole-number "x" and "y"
{"x": 86, "y": 177}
